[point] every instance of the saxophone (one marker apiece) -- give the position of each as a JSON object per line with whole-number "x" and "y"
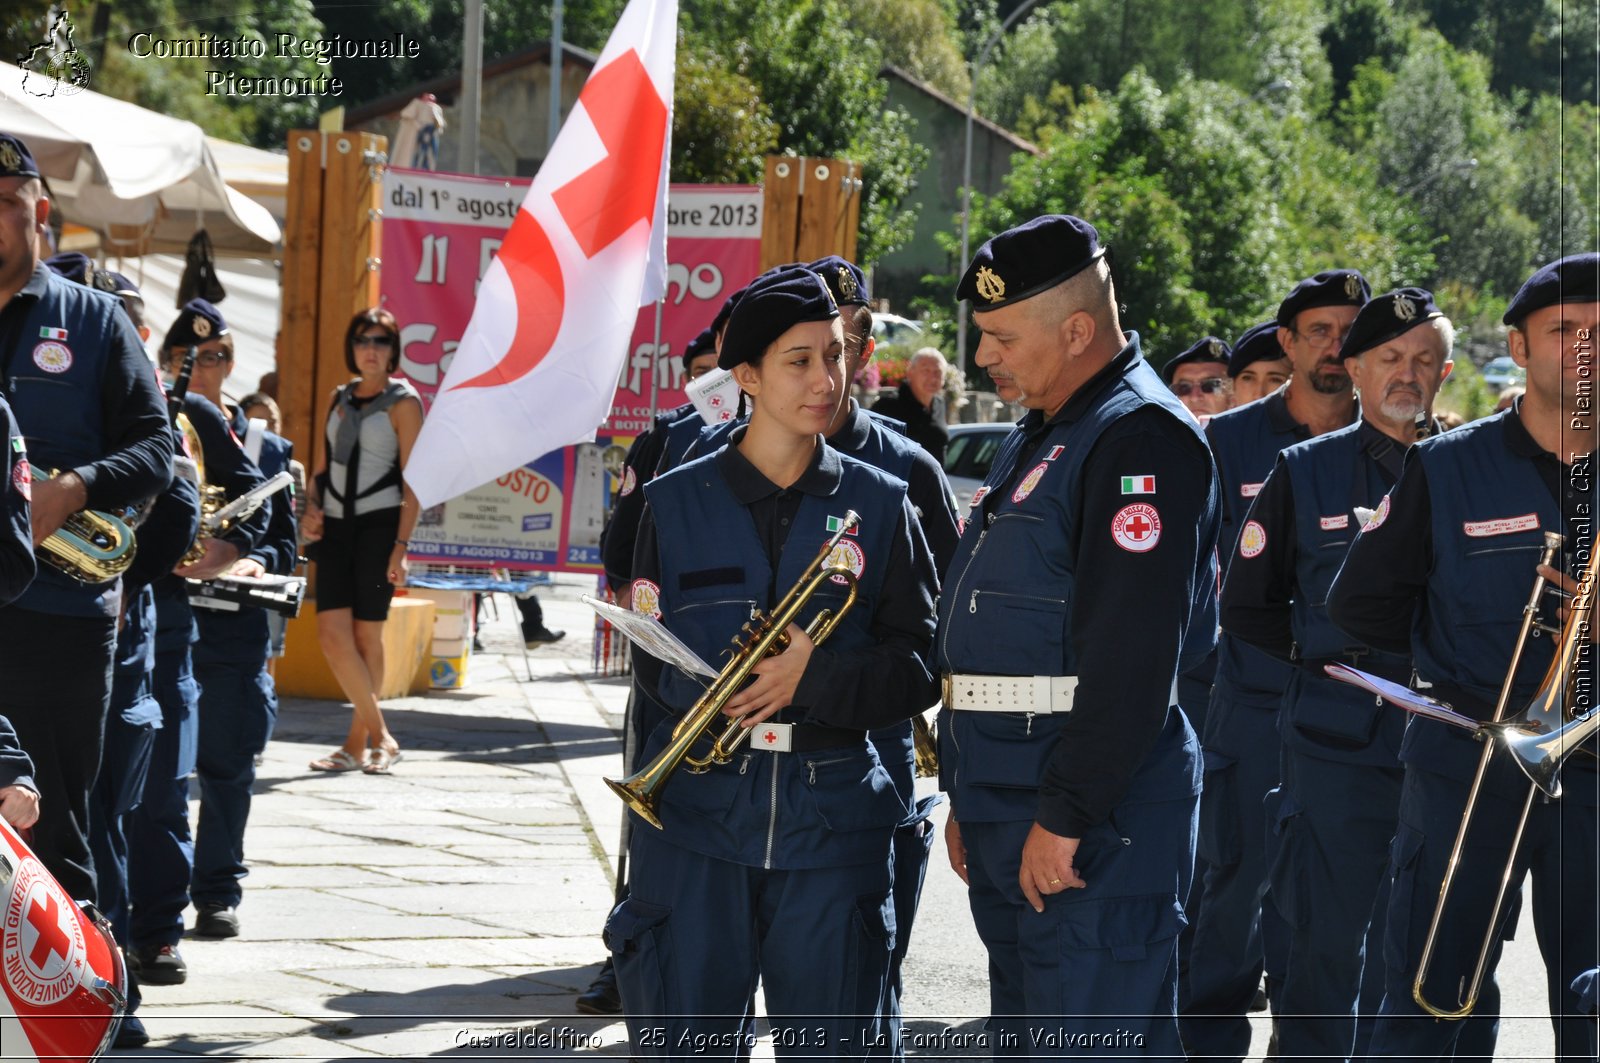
{"x": 91, "y": 546}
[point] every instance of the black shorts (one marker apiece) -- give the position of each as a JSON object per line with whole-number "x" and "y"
{"x": 352, "y": 561}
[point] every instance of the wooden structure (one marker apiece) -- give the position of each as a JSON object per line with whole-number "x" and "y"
{"x": 332, "y": 247}
{"x": 810, "y": 208}
{"x": 332, "y": 241}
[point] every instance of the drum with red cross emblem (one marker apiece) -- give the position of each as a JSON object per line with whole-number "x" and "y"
{"x": 64, "y": 984}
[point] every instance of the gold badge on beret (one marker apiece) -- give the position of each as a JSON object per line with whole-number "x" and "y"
{"x": 1404, "y": 308}
{"x": 847, "y": 283}
{"x": 828, "y": 291}
{"x": 1352, "y": 286}
{"x": 201, "y": 326}
{"x": 103, "y": 281}
{"x": 1218, "y": 350}
{"x": 10, "y": 157}
{"x": 989, "y": 284}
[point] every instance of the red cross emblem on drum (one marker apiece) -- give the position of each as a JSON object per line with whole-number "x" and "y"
{"x": 1136, "y": 528}
{"x": 41, "y": 940}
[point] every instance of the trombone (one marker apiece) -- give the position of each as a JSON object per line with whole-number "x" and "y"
{"x": 1539, "y": 740}
{"x": 764, "y": 635}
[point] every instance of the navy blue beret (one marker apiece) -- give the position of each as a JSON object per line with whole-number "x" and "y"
{"x": 845, "y": 280}
{"x": 1574, "y": 279}
{"x": 1209, "y": 349}
{"x": 1387, "y": 316}
{"x": 704, "y": 343}
{"x": 111, "y": 281}
{"x": 1334, "y": 287}
{"x": 198, "y": 322}
{"x": 73, "y": 265}
{"x": 772, "y": 305}
{"x": 1259, "y": 343}
{"x": 720, "y": 322}
{"x": 1031, "y": 258}
{"x": 15, "y": 158}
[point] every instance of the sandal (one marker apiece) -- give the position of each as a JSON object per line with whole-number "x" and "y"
{"x": 382, "y": 760}
{"x": 338, "y": 760}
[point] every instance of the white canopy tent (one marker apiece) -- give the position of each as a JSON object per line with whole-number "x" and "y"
{"x": 145, "y": 181}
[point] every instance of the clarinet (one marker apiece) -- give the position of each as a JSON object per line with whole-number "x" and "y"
{"x": 180, "y": 386}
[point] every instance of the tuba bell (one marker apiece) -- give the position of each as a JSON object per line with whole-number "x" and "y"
{"x": 764, "y": 635}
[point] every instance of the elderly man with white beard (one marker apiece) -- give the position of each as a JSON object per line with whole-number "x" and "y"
{"x": 1341, "y": 772}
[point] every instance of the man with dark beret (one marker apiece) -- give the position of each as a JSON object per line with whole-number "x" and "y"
{"x": 775, "y": 864}
{"x": 1340, "y": 789}
{"x": 1084, "y": 583}
{"x": 1238, "y": 933}
{"x": 90, "y": 409}
{"x": 1199, "y": 377}
{"x": 1259, "y": 365}
{"x": 1441, "y": 572}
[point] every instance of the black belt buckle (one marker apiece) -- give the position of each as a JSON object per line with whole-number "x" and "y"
{"x": 810, "y": 737}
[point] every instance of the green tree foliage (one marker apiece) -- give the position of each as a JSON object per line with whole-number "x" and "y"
{"x": 918, "y": 36}
{"x": 820, "y": 80}
{"x": 721, "y": 129}
{"x": 1214, "y": 204}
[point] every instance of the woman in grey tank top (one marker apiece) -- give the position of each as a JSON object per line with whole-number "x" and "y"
{"x": 360, "y": 513}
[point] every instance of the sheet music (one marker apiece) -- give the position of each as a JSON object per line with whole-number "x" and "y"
{"x": 648, "y": 634}
{"x": 1404, "y": 697}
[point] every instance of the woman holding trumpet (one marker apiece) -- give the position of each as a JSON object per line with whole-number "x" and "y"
{"x": 772, "y": 860}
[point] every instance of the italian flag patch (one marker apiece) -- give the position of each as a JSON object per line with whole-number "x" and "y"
{"x": 835, "y": 523}
{"x": 48, "y": 333}
{"x": 1138, "y": 485}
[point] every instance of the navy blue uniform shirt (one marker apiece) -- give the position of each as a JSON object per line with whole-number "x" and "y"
{"x": 858, "y": 689}
{"x": 1257, "y": 598}
{"x": 1377, "y": 599}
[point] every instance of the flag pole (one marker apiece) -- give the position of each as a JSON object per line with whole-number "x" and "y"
{"x": 655, "y": 371}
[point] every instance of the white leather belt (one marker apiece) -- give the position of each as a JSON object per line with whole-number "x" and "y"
{"x": 1039, "y": 694}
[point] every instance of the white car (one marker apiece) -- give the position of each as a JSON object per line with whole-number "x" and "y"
{"x": 968, "y": 457}
{"x": 1502, "y": 372}
{"x": 892, "y": 328}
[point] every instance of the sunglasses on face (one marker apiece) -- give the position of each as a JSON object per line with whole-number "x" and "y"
{"x": 210, "y": 359}
{"x": 1209, "y": 386}
{"x": 374, "y": 341}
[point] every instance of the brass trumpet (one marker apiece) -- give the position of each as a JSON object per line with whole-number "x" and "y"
{"x": 91, "y": 546}
{"x": 763, "y": 636}
{"x": 1539, "y": 738}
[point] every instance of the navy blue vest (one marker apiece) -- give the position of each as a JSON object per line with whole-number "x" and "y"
{"x": 1331, "y": 475}
{"x": 1006, "y": 606}
{"x": 678, "y": 437}
{"x": 830, "y": 808}
{"x": 54, "y": 390}
{"x": 1490, "y": 508}
{"x": 1246, "y": 443}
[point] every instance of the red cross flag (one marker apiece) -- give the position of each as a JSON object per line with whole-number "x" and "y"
{"x": 539, "y": 362}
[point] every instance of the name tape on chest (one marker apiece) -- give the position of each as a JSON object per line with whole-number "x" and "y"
{"x": 1335, "y": 523}
{"x": 1251, "y": 490}
{"x": 1484, "y": 529}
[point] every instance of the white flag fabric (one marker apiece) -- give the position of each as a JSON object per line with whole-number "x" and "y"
{"x": 538, "y": 365}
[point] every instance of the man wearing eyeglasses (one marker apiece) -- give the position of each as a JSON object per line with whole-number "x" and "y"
{"x": 1238, "y": 932}
{"x": 1199, "y": 377}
